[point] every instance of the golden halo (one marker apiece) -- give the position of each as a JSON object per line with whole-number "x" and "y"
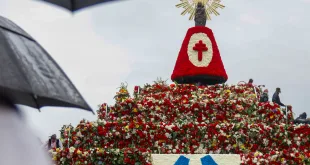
{"x": 190, "y": 6}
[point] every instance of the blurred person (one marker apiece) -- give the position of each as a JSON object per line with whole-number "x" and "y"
{"x": 276, "y": 97}
{"x": 53, "y": 142}
{"x": 19, "y": 145}
{"x": 250, "y": 81}
{"x": 302, "y": 119}
{"x": 264, "y": 97}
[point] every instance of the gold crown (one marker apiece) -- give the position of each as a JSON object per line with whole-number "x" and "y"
{"x": 190, "y": 7}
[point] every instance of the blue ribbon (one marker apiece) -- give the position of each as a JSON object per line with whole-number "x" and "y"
{"x": 182, "y": 161}
{"x": 208, "y": 160}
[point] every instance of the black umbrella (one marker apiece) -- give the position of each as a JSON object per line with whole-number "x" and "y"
{"x": 74, "y": 5}
{"x": 28, "y": 74}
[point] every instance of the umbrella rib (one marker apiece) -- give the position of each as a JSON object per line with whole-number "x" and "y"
{"x": 35, "y": 97}
{"x": 12, "y": 31}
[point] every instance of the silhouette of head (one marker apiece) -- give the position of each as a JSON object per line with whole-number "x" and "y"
{"x": 250, "y": 81}
{"x": 53, "y": 137}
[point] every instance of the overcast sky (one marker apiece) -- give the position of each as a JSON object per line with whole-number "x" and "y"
{"x": 138, "y": 40}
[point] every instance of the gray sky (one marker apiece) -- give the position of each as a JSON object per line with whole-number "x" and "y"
{"x": 138, "y": 40}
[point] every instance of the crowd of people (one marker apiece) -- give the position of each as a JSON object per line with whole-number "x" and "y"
{"x": 264, "y": 97}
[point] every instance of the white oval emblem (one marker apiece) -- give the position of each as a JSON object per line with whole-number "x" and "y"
{"x": 200, "y": 50}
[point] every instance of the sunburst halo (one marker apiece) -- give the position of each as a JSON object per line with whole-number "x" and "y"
{"x": 190, "y": 6}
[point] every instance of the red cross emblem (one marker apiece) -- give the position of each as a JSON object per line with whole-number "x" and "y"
{"x": 200, "y": 47}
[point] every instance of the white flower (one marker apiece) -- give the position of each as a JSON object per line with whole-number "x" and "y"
{"x": 128, "y": 136}
{"x": 169, "y": 147}
{"x": 169, "y": 127}
{"x": 156, "y": 144}
{"x": 274, "y": 157}
{"x": 289, "y": 142}
{"x": 71, "y": 149}
{"x": 95, "y": 124}
{"x": 237, "y": 115}
{"x": 79, "y": 134}
{"x": 168, "y": 135}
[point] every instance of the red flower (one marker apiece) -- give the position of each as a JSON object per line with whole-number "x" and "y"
{"x": 101, "y": 131}
{"x": 136, "y": 89}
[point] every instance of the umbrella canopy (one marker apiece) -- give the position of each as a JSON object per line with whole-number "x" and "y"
{"x": 28, "y": 74}
{"x": 74, "y": 5}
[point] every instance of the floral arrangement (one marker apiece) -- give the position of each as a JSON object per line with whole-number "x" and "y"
{"x": 187, "y": 119}
{"x": 80, "y": 156}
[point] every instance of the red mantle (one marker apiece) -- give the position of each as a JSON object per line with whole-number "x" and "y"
{"x": 184, "y": 68}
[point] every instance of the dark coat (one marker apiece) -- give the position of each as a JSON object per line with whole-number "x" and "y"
{"x": 276, "y": 99}
{"x": 264, "y": 98}
{"x": 50, "y": 143}
{"x": 302, "y": 119}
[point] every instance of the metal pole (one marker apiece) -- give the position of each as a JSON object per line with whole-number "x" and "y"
{"x": 257, "y": 96}
{"x": 106, "y": 111}
{"x": 68, "y": 138}
{"x": 286, "y": 115}
{"x": 255, "y": 91}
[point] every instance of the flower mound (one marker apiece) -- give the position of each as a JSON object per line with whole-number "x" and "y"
{"x": 187, "y": 119}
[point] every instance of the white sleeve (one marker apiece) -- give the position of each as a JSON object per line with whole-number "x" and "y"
{"x": 19, "y": 145}
{"x": 60, "y": 144}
